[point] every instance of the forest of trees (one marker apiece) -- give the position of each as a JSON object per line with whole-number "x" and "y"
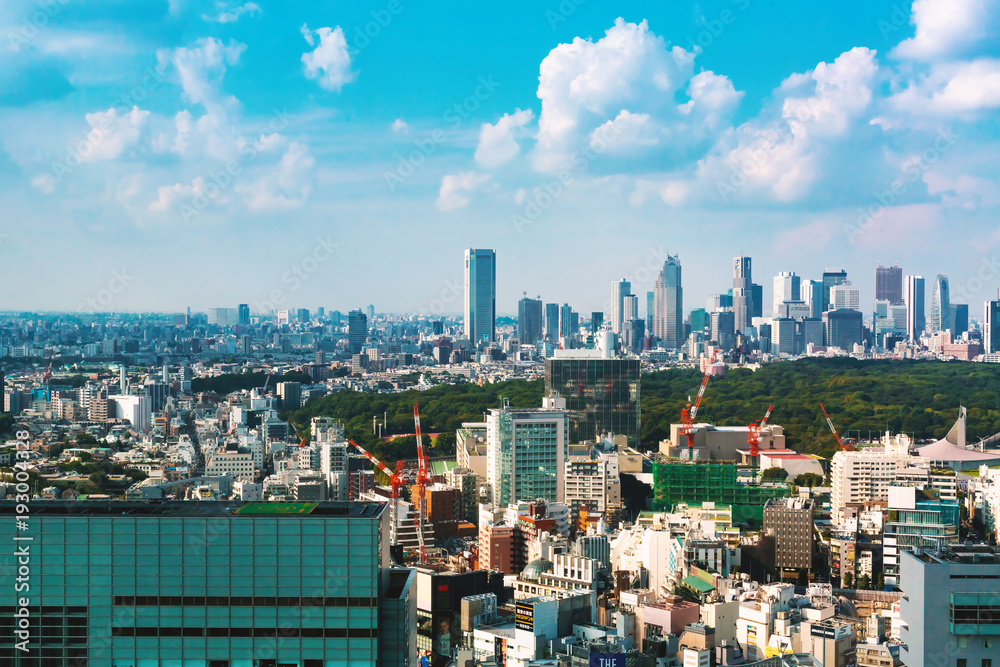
{"x": 916, "y": 397}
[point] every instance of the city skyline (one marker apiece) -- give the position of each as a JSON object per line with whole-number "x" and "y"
{"x": 158, "y": 153}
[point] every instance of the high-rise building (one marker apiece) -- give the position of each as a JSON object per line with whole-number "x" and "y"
{"x": 601, "y": 391}
{"x": 844, "y": 328}
{"x": 959, "y": 319}
{"x": 918, "y": 517}
{"x": 724, "y": 328}
{"x": 568, "y": 321}
{"x": 290, "y": 394}
{"x": 244, "y": 314}
{"x": 552, "y": 321}
{"x": 915, "y": 301}
{"x": 789, "y": 522}
{"x": 742, "y": 293}
{"x": 302, "y": 315}
{"x": 668, "y": 305}
{"x": 831, "y": 277}
{"x": 941, "y": 305}
{"x": 889, "y": 284}
{"x": 634, "y": 334}
{"x": 812, "y": 296}
{"x": 649, "y": 311}
{"x": 757, "y": 310}
{"x": 845, "y": 295}
{"x": 371, "y": 312}
{"x": 529, "y": 320}
{"x": 619, "y": 290}
{"x": 525, "y": 450}
{"x": 991, "y": 327}
{"x": 630, "y": 309}
{"x": 950, "y": 607}
{"x": 787, "y": 287}
{"x": 480, "y": 295}
{"x": 204, "y": 583}
{"x": 596, "y": 321}
{"x": 357, "y": 331}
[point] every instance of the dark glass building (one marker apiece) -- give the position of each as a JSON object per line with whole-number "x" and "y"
{"x": 205, "y": 584}
{"x": 602, "y": 395}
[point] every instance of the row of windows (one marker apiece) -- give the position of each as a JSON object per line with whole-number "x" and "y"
{"x": 352, "y": 633}
{"x": 242, "y": 601}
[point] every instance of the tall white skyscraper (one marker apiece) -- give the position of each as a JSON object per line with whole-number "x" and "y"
{"x": 915, "y": 299}
{"x": 812, "y": 296}
{"x": 619, "y": 290}
{"x": 940, "y": 305}
{"x": 742, "y": 293}
{"x": 787, "y": 287}
{"x": 630, "y": 308}
{"x": 668, "y": 305}
{"x": 991, "y": 327}
{"x": 480, "y": 295}
{"x": 845, "y": 295}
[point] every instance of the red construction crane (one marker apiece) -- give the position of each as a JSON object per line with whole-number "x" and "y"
{"x": 753, "y": 436}
{"x": 395, "y": 481}
{"x": 689, "y": 413}
{"x": 423, "y": 477}
{"x": 843, "y": 445}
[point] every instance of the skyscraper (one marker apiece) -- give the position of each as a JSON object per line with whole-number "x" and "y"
{"x": 480, "y": 295}
{"x": 915, "y": 302}
{"x": 568, "y": 321}
{"x": 619, "y": 289}
{"x": 525, "y": 449}
{"x": 831, "y": 277}
{"x": 668, "y": 305}
{"x": 941, "y": 305}
{"x": 649, "y": 311}
{"x": 959, "y": 319}
{"x": 787, "y": 287}
{"x": 529, "y": 320}
{"x": 812, "y": 295}
{"x": 630, "y": 309}
{"x": 889, "y": 284}
{"x": 244, "y": 314}
{"x": 845, "y": 295}
{"x": 552, "y": 321}
{"x": 742, "y": 293}
{"x": 991, "y": 327}
{"x": 357, "y": 331}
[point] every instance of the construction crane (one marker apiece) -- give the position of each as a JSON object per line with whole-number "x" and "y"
{"x": 395, "y": 481}
{"x": 422, "y": 478}
{"x": 753, "y": 436}
{"x": 844, "y": 447}
{"x": 689, "y": 413}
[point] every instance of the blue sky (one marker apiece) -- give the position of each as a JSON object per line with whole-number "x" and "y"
{"x": 300, "y": 154}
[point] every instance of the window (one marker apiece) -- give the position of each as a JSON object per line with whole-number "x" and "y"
{"x": 987, "y": 662}
{"x": 961, "y": 662}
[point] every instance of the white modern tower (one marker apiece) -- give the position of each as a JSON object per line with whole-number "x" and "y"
{"x": 619, "y": 290}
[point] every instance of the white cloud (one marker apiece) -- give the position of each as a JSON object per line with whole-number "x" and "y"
{"x": 45, "y": 183}
{"x": 784, "y": 156}
{"x": 172, "y": 196}
{"x": 330, "y": 61}
{"x": 952, "y": 88}
{"x": 227, "y": 12}
{"x": 287, "y": 186}
{"x": 964, "y": 191}
{"x": 456, "y": 189}
{"x": 111, "y": 134}
{"x": 497, "y": 145}
{"x": 400, "y": 126}
{"x": 946, "y": 28}
{"x": 201, "y": 67}
{"x": 626, "y": 131}
{"x": 630, "y": 76}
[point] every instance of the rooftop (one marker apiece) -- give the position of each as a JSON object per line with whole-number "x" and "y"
{"x": 200, "y": 509}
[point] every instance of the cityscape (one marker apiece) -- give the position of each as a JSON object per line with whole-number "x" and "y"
{"x": 685, "y": 392}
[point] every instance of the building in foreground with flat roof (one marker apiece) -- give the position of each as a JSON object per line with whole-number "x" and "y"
{"x": 213, "y": 584}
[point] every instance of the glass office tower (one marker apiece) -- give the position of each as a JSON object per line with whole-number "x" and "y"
{"x": 602, "y": 396}
{"x": 203, "y": 584}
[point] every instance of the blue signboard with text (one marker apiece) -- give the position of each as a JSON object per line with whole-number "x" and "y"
{"x": 607, "y": 660}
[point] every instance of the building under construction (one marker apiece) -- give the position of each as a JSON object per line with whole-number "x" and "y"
{"x": 697, "y": 482}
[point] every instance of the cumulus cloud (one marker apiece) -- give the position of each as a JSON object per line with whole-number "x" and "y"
{"x": 287, "y": 186}
{"x": 952, "y": 89}
{"x": 330, "y": 61}
{"x": 171, "y": 197}
{"x": 497, "y": 145}
{"x": 945, "y": 28}
{"x": 629, "y": 77}
{"x": 456, "y": 189}
{"x": 111, "y": 134}
{"x": 783, "y": 156}
{"x": 201, "y": 67}
{"x": 226, "y": 12}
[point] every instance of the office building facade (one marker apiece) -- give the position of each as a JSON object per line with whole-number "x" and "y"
{"x": 941, "y": 305}
{"x": 206, "y": 584}
{"x": 889, "y": 284}
{"x": 480, "y": 295}
{"x": 668, "y": 305}
{"x": 602, "y": 395}
{"x": 619, "y": 290}
{"x": 742, "y": 293}
{"x": 915, "y": 298}
{"x": 525, "y": 449}
{"x": 529, "y": 320}
{"x": 357, "y": 331}
{"x": 787, "y": 287}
